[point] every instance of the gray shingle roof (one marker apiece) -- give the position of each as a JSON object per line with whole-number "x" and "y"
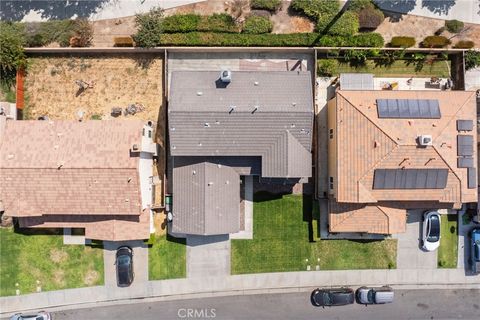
{"x": 280, "y": 130}
{"x": 206, "y": 199}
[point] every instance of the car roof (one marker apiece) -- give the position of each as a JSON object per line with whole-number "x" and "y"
{"x": 384, "y": 296}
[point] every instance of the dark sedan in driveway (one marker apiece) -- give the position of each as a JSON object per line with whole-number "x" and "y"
{"x": 124, "y": 263}
{"x": 333, "y": 297}
{"x": 475, "y": 250}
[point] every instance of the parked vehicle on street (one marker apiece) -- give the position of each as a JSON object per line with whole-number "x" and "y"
{"x": 431, "y": 230}
{"x": 475, "y": 250}
{"x": 371, "y": 295}
{"x": 124, "y": 263}
{"x": 333, "y": 297}
{"x": 41, "y": 315}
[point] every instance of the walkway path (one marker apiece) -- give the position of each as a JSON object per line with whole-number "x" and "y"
{"x": 239, "y": 284}
{"x": 208, "y": 256}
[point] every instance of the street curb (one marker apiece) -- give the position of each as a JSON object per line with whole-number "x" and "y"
{"x": 241, "y": 292}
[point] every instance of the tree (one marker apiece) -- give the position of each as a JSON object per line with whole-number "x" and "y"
{"x": 472, "y": 59}
{"x": 12, "y": 55}
{"x": 149, "y": 28}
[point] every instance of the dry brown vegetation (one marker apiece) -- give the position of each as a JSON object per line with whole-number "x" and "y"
{"x": 115, "y": 81}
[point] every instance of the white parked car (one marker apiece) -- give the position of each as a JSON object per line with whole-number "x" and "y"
{"x": 431, "y": 230}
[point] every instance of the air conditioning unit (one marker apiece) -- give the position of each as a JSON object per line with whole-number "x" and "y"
{"x": 226, "y": 76}
{"x": 425, "y": 140}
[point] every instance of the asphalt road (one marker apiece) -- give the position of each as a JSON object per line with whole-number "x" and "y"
{"x": 414, "y": 304}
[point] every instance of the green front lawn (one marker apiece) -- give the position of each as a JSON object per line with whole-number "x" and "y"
{"x": 399, "y": 68}
{"x": 285, "y": 236}
{"x": 41, "y": 255}
{"x": 447, "y": 252}
{"x": 167, "y": 258}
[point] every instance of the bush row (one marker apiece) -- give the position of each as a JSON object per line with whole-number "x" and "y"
{"x": 315, "y": 8}
{"x": 75, "y": 33}
{"x": 270, "y": 5}
{"x": 268, "y": 40}
{"x": 194, "y": 22}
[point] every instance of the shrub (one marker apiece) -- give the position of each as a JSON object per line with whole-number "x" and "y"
{"x": 327, "y": 67}
{"x": 149, "y": 27}
{"x": 270, "y": 5}
{"x": 82, "y": 33}
{"x": 402, "y": 42}
{"x": 315, "y": 8}
{"x": 464, "y": 44}
{"x": 454, "y": 26}
{"x": 435, "y": 42}
{"x": 181, "y": 23}
{"x": 357, "y": 5}
{"x": 346, "y": 25}
{"x": 472, "y": 59}
{"x": 439, "y": 31}
{"x": 267, "y": 40}
{"x": 12, "y": 55}
{"x": 123, "y": 42}
{"x": 257, "y": 25}
{"x": 370, "y": 18}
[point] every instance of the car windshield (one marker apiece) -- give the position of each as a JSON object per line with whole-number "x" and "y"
{"x": 477, "y": 251}
{"x": 434, "y": 229}
{"x": 123, "y": 260}
{"x": 327, "y": 299}
{"x": 370, "y": 296}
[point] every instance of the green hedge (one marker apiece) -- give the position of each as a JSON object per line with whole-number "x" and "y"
{"x": 454, "y": 26}
{"x": 346, "y": 25}
{"x": 257, "y": 25}
{"x": 402, "y": 42}
{"x": 210, "y": 39}
{"x": 327, "y": 67}
{"x": 194, "y": 22}
{"x": 435, "y": 42}
{"x": 270, "y": 5}
{"x": 316, "y": 8}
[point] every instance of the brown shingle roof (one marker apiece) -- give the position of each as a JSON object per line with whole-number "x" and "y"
{"x": 74, "y": 174}
{"x": 366, "y": 143}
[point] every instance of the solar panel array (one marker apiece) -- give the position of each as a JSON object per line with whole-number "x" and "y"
{"x": 464, "y": 145}
{"x": 408, "y": 108}
{"x": 465, "y": 162}
{"x": 410, "y": 178}
{"x": 464, "y": 125}
{"x": 472, "y": 178}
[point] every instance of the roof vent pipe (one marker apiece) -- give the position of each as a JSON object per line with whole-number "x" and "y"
{"x": 255, "y": 109}
{"x": 232, "y": 108}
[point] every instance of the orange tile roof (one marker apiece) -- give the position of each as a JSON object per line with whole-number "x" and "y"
{"x": 366, "y": 143}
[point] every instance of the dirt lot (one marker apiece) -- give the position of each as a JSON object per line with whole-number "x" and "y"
{"x": 421, "y": 27}
{"x": 115, "y": 81}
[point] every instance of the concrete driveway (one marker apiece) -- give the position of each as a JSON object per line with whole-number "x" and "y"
{"x": 208, "y": 256}
{"x": 140, "y": 263}
{"x": 409, "y": 252}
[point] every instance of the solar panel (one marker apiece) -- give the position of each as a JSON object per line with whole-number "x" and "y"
{"x": 472, "y": 178}
{"x": 464, "y": 145}
{"x": 464, "y": 125}
{"x": 408, "y": 108}
{"x": 410, "y": 178}
{"x": 465, "y": 162}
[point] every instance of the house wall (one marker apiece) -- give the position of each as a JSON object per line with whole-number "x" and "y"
{"x": 145, "y": 171}
{"x": 332, "y": 146}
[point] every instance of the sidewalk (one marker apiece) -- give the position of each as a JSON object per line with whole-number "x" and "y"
{"x": 241, "y": 284}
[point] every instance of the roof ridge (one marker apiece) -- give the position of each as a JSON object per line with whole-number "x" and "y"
{"x": 369, "y": 120}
